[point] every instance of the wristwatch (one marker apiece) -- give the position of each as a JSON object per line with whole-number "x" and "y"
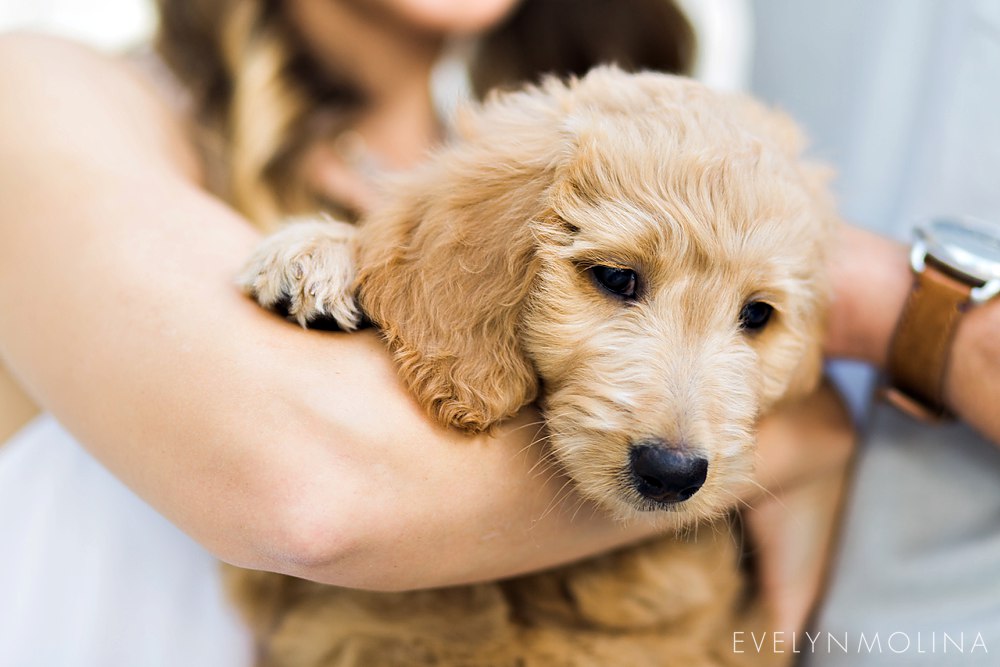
{"x": 956, "y": 266}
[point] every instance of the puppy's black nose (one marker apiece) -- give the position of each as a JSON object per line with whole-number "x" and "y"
{"x": 665, "y": 474}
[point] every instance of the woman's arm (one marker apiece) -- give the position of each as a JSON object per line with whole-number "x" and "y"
{"x": 871, "y": 281}
{"x": 276, "y": 448}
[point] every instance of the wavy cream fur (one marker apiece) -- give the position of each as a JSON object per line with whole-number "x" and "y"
{"x": 476, "y": 273}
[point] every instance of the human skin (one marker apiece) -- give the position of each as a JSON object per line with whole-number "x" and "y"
{"x": 276, "y": 448}
{"x": 871, "y": 277}
{"x": 449, "y": 16}
{"x": 392, "y": 47}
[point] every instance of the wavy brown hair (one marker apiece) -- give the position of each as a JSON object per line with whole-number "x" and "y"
{"x": 260, "y": 100}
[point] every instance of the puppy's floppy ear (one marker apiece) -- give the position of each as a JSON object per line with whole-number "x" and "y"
{"x": 447, "y": 267}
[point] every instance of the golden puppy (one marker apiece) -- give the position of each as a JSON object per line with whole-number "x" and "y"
{"x": 640, "y": 254}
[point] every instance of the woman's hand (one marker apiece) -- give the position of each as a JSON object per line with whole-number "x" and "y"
{"x": 804, "y": 449}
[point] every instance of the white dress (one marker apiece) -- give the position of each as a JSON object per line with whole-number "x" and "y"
{"x": 91, "y": 576}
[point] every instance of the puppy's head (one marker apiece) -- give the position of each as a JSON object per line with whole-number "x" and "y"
{"x": 644, "y": 253}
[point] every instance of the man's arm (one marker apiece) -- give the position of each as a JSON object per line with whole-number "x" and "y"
{"x": 871, "y": 281}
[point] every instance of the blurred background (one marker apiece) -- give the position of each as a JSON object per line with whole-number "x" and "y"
{"x": 107, "y": 24}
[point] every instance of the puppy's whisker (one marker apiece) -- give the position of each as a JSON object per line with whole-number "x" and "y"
{"x": 557, "y": 501}
{"x": 737, "y": 501}
{"x": 541, "y": 443}
{"x": 765, "y": 492}
{"x": 580, "y": 504}
{"x": 554, "y": 472}
{"x": 539, "y": 423}
{"x": 547, "y": 463}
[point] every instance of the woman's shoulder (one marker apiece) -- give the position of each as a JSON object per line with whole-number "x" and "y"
{"x": 40, "y": 60}
{"x": 38, "y": 44}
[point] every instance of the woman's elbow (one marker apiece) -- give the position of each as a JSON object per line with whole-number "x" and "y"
{"x": 340, "y": 538}
{"x": 290, "y": 516}
{"x": 317, "y": 537}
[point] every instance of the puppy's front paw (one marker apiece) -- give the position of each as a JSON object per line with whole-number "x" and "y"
{"x": 308, "y": 269}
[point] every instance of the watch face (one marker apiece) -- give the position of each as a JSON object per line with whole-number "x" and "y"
{"x": 972, "y": 246}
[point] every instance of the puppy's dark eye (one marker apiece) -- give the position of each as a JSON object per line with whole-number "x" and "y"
{"x": 755, "y": 315}
{"x": 616, "y": 280}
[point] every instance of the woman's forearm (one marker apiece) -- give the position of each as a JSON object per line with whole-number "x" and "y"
{"x": 872, "y": 279}
{"x": 274, "y": 447}
{"x": 285, "y": 449}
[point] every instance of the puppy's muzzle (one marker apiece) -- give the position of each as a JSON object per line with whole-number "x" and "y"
{"x": 666, "y": 474}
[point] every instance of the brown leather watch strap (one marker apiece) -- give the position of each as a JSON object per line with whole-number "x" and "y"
{"x": 918, "y": 354}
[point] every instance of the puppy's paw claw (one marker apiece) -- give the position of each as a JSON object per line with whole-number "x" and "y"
{"x": 307, "y": 271}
